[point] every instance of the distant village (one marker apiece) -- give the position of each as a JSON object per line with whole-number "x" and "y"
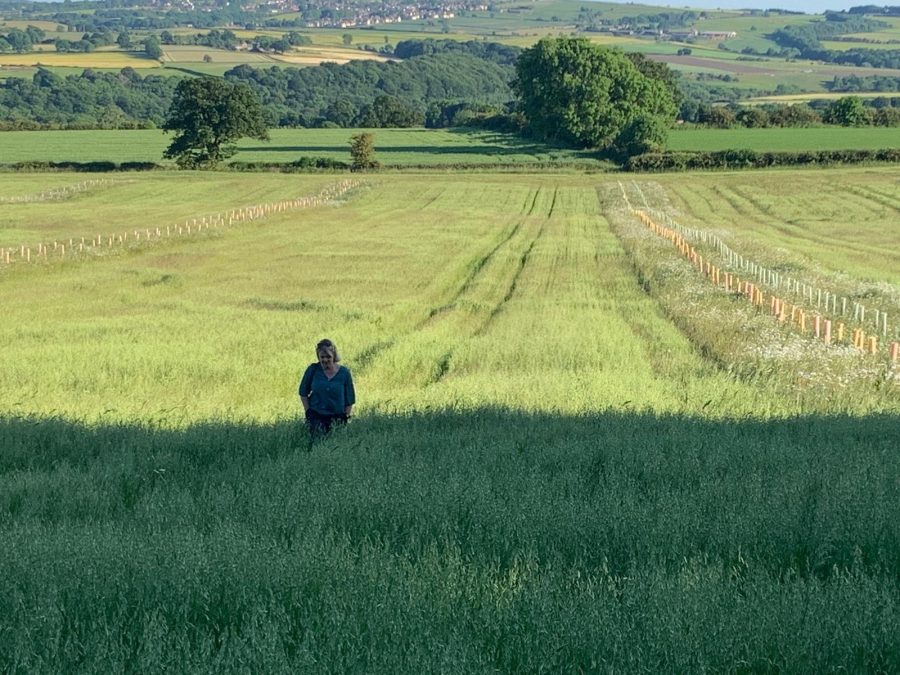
{"x": 342, "y": 14}
{"x": 347, "y": 14}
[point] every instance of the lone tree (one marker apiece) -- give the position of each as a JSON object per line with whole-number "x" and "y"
{"x": 577, "y": 93}
{"x": 208, "y": 113}
{"x": 362, "y": 150}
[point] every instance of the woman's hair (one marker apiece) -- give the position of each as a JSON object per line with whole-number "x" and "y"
{"x": 328, "y": 346}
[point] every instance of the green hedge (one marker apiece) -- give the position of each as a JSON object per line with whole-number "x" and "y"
{"x": 752, "y": 159}
{"x": 91, "y": 167}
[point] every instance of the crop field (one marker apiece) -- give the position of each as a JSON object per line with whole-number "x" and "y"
{"x": 97, "y": 59}
{"x": 818, "y": 96}
{"x": 570, "y": 451}
{"x": 46, "y": 26}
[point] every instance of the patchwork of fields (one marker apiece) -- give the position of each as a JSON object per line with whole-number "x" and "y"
{"x": 571, "y": 451}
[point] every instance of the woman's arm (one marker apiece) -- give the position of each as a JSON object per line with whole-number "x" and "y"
{"x": 349, "y": 394}
{"x": 305, "y": 388}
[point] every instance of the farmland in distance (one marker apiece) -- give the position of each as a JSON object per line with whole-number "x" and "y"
{"x": 555, "y": 435}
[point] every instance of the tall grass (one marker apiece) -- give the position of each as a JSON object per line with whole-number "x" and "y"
{"x": 468, "y": 542}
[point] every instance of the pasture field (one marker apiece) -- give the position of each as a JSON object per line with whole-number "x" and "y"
{"x": 393, "y": 147}
{"x": 417, "y": 147}
{"x": 784, "y": 139}
{"x": 559, "y": 461}
{"x": 311, "y": 56}
{"x": 178, "y": 54}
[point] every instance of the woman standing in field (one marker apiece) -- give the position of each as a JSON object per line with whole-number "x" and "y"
{"x": 326, "y": 390}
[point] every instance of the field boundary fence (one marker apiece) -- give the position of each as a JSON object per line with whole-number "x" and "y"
{"x": 821, "y": 314}
{"x": 85, "y": 247}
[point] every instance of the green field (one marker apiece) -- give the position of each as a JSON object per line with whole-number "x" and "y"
{"x": 393, "y": 147}
{"x": 417, "y": 147}
{"x": 784, "y": 139}
{"x": 570, "y": 451}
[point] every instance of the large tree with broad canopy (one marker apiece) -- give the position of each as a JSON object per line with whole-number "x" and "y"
{"x": 207, "y": 114}
{"x": 577, "y": 93}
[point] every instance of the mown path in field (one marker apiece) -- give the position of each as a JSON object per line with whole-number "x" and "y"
{"x": 544, "y": 314}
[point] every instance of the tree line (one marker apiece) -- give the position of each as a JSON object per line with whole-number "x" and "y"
{"x": 848, "y": 111}
{"x": 805, "y": 41}
{"x": 447, "y": 80}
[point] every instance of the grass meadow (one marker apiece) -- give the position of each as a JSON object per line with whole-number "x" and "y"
{"x": 779, "y": 139}
{"x": 570, "y": 453}
{"x": 405, "y": 148}
{"x": 393, "y": 147}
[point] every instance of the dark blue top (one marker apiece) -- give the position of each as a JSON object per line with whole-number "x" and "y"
{"x": 327, "y": 397}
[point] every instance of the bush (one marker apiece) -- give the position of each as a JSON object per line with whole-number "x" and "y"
{"x": 299, "y": 165}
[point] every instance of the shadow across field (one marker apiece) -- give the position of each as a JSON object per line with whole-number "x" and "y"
{"x": 433, "y": 143}
{"x": 802, "y": 493}
{"x": 530, "y": 149}
{"x": 489, "y": 539}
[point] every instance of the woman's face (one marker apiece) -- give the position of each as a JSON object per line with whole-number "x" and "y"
{"x": 326, "y": 359}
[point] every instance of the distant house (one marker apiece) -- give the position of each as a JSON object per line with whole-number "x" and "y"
{"x": 717, "y": 34}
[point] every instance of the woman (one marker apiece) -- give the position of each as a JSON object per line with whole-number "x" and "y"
{"x": 326, "y": 390}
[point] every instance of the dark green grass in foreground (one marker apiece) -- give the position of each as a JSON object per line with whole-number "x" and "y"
{"x": 466, "y": 542}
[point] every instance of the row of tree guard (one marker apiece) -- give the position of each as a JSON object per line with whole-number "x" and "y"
{"x": 825, "y": 301}
{"x": 62, "y": 250}
{"x": 819, "y": 326}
